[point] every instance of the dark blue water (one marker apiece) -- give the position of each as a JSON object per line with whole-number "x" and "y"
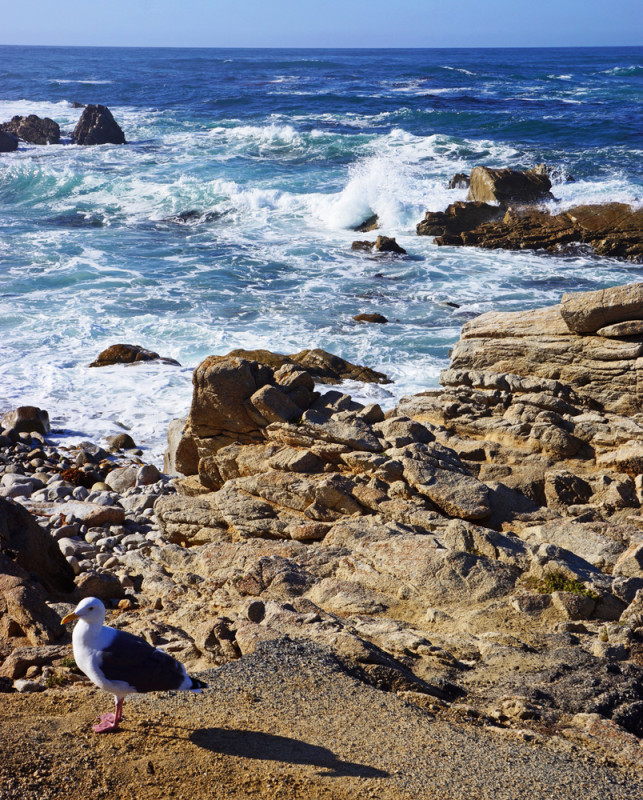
{"x": 280, "y": 152}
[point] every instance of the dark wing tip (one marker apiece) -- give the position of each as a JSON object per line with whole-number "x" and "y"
{"x": 198, "y": 684}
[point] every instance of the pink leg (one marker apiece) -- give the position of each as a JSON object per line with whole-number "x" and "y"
{"x": 109, "y": 722}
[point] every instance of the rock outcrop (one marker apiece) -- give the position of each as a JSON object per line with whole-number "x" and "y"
{"x": 509, "y": 186}
{"x": 612, "y": 229}
{"x": 33, "y": 129}
{"x": 97, "y": 126}
{"x": 8, "y": 142}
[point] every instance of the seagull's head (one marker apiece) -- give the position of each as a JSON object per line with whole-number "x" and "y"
{"x": 90, "y": 609}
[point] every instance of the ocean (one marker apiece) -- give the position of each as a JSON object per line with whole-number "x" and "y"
{"x": 280, "y": 153}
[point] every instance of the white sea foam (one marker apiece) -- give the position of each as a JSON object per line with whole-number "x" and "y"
{"x": 89, "y": 81}
{"x": 460, "y": 69}
{"x": 560, "y": 77}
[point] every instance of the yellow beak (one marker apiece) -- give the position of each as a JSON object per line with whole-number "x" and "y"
{"x": 69, "y": 618}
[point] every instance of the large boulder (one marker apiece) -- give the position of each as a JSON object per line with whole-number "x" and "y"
{"x": 26, "y": 419}
{"x": 24, "y": 542}
{"x": 587, "y": 312}
{"x": 8, "y": 142}
{"x": 33, "y": 129}
{"x": 97, "y": 126}
{"x": 505, "y": 186}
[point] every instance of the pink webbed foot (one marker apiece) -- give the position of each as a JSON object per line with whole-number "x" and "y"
{"x": 107, "y": 723}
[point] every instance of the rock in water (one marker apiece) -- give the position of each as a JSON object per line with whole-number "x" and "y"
{"x": 504, "y": 186}
{"x": 33, "y": 129}
{"x": 26, "y": 419}
{"x": 8, "y": 142}
{"x": 128, "y": 354}
{"x": 460, "y": 181}
{"x": 97, "y": 126}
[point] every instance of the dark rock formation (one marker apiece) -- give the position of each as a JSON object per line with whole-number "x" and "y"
{"x": 8, "y": 142}
{"x": 128, "y": 354}
{"x": 505, "y": 186}
{"x": 377, "y": 318}
{"x": 383, "y": 244}
{"x": 33, "y": 129}
{"x": 97, "y": 126}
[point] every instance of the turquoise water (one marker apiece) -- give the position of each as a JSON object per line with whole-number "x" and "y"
{"x": 280, "y": 152}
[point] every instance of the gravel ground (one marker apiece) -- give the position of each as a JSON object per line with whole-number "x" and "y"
{"x": 286, "y": 722}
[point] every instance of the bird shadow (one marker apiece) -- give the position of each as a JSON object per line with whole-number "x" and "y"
{"x": 270, "y": 747}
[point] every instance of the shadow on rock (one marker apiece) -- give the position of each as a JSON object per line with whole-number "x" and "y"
{"x": 267, "y": 746}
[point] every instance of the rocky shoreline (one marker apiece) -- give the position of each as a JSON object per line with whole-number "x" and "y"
{"x": 477, "y": 552}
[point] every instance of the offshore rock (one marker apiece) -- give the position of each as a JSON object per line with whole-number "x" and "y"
{"x": 612, "y": 229}
{"x": 383, "y": 244}
{"x": 457, "y": 218}
{"x": 33, "y": 129}
{"x": 97, "y": 126}
{"x": 505, "y": 186}
{"x": 128, "y": 354}
{"x": 8, "y": 142}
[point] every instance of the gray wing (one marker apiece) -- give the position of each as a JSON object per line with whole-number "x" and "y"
{"x": 131, "y": 659}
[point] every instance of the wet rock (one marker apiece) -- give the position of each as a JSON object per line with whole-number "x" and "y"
{"x": 97, "y": 126}
{"x": 461, "y": 180}
{"x": 613, "y": 229}
{"x": 26, "y": 419}
{"x": 121, "y": 441}
{"x": 8, "y": 142}
{"x": 33, "y": 129}
{"x": 377, "y": 318}
{"x": 458, "y": 217}
{"x": 504, "y": 186}
{"x": 128, "y": 354}
{"x": 383, "y": 244}
{"x": 369, "y": 224}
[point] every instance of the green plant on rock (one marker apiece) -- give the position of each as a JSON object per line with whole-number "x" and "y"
{"x": 554, "y": 581}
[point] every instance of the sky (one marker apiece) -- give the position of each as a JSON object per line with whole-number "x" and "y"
{"x": 324, "y": 23}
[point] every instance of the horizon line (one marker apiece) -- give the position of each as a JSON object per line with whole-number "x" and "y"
{"x": 323, "y": 47}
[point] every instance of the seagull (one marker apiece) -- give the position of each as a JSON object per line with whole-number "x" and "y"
{"x": 120, "y": 662}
